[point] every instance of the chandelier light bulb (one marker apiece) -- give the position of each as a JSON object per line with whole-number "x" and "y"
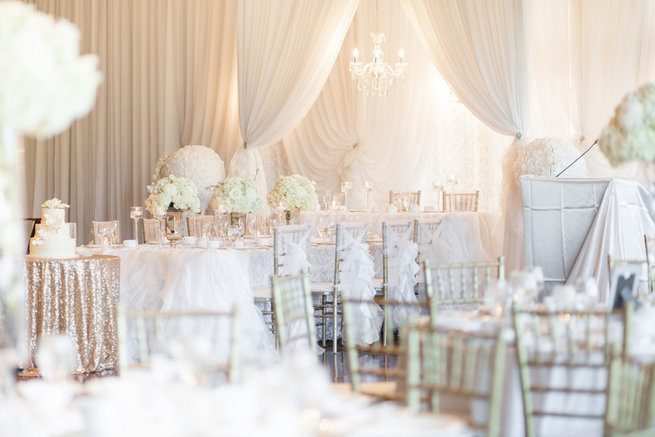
{"x": 355, "y": 54}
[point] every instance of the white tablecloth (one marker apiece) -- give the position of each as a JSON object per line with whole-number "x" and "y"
{"x": 572, "y": 225}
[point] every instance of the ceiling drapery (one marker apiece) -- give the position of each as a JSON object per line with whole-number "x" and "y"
{"x": 286, "y": 49}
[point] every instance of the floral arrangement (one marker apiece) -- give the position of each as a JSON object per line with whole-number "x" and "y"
{"x": 236, "y": 195}
{"x": 200, "y": 164}
{"x": 291, "y": 192}
{"x": 630, "y": 134}
{"x": 172, "y": 192}
{"x": 54, "y": 203}
{"x": 45, "y": 83}
{"x": 547, "y": 157}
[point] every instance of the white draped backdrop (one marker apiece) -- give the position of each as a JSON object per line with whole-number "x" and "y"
{"x": 215, "y": 72}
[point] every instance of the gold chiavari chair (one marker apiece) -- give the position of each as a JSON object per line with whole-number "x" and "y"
{"x": 106, "y": 232}
{"x": 201, "y": 225}
{"x": 458, "y": 364}
{"x": 142, "y": 334}
{"x": 294, "y": 313}
{"x": 374, "y": 368}
{"x": 391, "y": 231}
{"x": 555, "y": 349}
{"x": 424, "y": 232}
{"x": 649, "y": 244}
{"x": 461, "y": 201}
{"x": 415, "y": 196}
{"x": 151, "y": 231}
{"x": 631, "y": 399}
{"x": 463, "y": 283}
{"x": 30, "y": 228}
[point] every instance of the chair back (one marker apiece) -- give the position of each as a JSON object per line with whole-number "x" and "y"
{"x": 649, "y": 243}
{"x": 397, "y": 236}
{"x": 294, "y": 313}
{"x": 633, "y": 266}
{"x": 462, "y": 283}
{"x": 631, "y": 398}
{"x": 287, "y": 240}
{"x": 151, "y": 231}
{"x": 208, "y": 338}
{"x": 553, "y": 347}
{"x": 461, "y": 201}
{"x": 371, "y": 359}
{"x": 396, "y": 197}
{"x": 425, "y": 231}
{"x": 202, "y": 225}
{"x": 346, "y": 235}
{"x": 466, "y": 365}
{"x": 105, "y": 232}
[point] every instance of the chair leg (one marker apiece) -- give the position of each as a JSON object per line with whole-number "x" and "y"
{"x": 334, "y": 322}
{"x": 323, "y": 317}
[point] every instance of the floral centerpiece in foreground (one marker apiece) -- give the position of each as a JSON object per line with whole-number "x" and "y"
{"x": 547, "y": 157}
{"x": 172, "y": 192}
{"x": 293, "y": 193}
{"x": 236, "y": 195}
{"x": 44, "y": 85}
{"x": 630, "y": 134}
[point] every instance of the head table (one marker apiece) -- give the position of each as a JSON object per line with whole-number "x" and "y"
{"x": 184, "y": 278}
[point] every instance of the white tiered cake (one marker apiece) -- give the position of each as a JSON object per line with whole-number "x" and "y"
{"x": 52, "y": 237}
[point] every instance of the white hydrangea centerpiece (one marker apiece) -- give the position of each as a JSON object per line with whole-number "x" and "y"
{"x": 291, "y": 192}
{"x": 44, "y": 82}
{"x": 172, "y": 192}
{"x": 200, "y": 164}
{"x": 548, "y": 156}
{"x": 630, "y": 134}
{"x": 236, "y": 195}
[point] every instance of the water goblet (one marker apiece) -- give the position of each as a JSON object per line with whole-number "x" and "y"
{"x": 322, "y": 226}
{"x": 327, "y": 198}
{"x": 367, "y": 186}
{"x": 452, "y": 181}
{"x": 437, "y": 187}
{"x": 346, "y": 186}
{"x": 406, "y": 200}
{"x": 136, "y": 212}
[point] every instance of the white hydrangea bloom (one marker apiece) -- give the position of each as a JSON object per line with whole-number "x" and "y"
{"x": 236, "y": 195}
{"x": 547, "y": 157}
{"x": 44, "y": 83}
{"x": 291, "y": 192}
{"x": 176, "y": 192}
{"x": 630, "y": 134}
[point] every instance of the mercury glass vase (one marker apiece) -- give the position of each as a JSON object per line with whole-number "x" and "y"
{"x": 292, "y": 216}
{"x": 173, "y": 226}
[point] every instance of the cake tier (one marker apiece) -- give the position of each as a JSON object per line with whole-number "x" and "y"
{"x": 53, "y": 246}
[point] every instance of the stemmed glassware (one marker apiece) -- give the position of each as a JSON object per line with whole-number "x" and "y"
{"x": 136, "y": 212}
{"x": 327, "y": 197}
{"x": 367, "y": 186}
{"x": 452, "y": 181}
{"x": 438, "y": 189}
{"x": 346, "y": 186}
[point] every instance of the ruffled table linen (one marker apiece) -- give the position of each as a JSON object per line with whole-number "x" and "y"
{"x": 78, "y": 297}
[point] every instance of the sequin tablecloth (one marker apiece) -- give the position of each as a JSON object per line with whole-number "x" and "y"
{"x": 79, "y": 297}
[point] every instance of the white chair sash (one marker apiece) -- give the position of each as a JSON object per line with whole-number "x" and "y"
{"x": 357, "y": 273}
{"x": 401, "y": 254}
{"x": 294, "y": 258}
{"x": 434, "y": 248}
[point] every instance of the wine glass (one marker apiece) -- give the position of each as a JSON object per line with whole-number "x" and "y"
{"x": 322, "y": 226}
{"x": 438, "y": 189}
{"x": 346, "y": 186}
{"x": 327, "y": 197}
{"x": 367, "y": 186}
{"x": 452, "y": 181}
{"x": 136, "y": 212}
{"x": 406, "y": 199}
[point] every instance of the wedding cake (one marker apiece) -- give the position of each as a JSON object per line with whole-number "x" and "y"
{"x": 52, "y": 237}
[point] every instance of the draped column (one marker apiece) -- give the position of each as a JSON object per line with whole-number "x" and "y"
{"x": 286, "y": 49}
{"x": 479, "y": 49}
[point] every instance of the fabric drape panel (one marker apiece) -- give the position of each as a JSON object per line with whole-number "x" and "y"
{"x": 394, "y": 134}
{"x": 591, "y": 54}
{"x": 286, "y": 49}
{"x": 167, "y": 82}
{"x": 479, "y": 49}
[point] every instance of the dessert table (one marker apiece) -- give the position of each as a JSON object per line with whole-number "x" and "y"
{"x": 78, "y": 297}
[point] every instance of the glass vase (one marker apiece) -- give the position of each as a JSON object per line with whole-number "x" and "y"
{"x": 173, "y": 226}
{"x": 292, "y": 216}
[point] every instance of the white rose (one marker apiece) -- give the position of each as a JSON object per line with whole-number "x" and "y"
{"x": 235, "y": 193}
{"x": 170, "y": 190}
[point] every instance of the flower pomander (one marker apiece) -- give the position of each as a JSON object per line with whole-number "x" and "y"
{"x": 291, "y": 192}
{"x": 630, "y": 134}
{"x": 236, "y": 195}
{"x": 172, "y": 192}
{"x": 547, "y": 157}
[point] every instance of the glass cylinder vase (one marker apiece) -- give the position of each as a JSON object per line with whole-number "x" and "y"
{"x": 292, "y": 216}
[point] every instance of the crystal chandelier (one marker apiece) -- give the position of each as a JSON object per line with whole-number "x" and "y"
{"x": 376, "y": 77}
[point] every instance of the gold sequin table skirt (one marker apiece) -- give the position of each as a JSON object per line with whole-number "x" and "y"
{"x": 79, "y": 297}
